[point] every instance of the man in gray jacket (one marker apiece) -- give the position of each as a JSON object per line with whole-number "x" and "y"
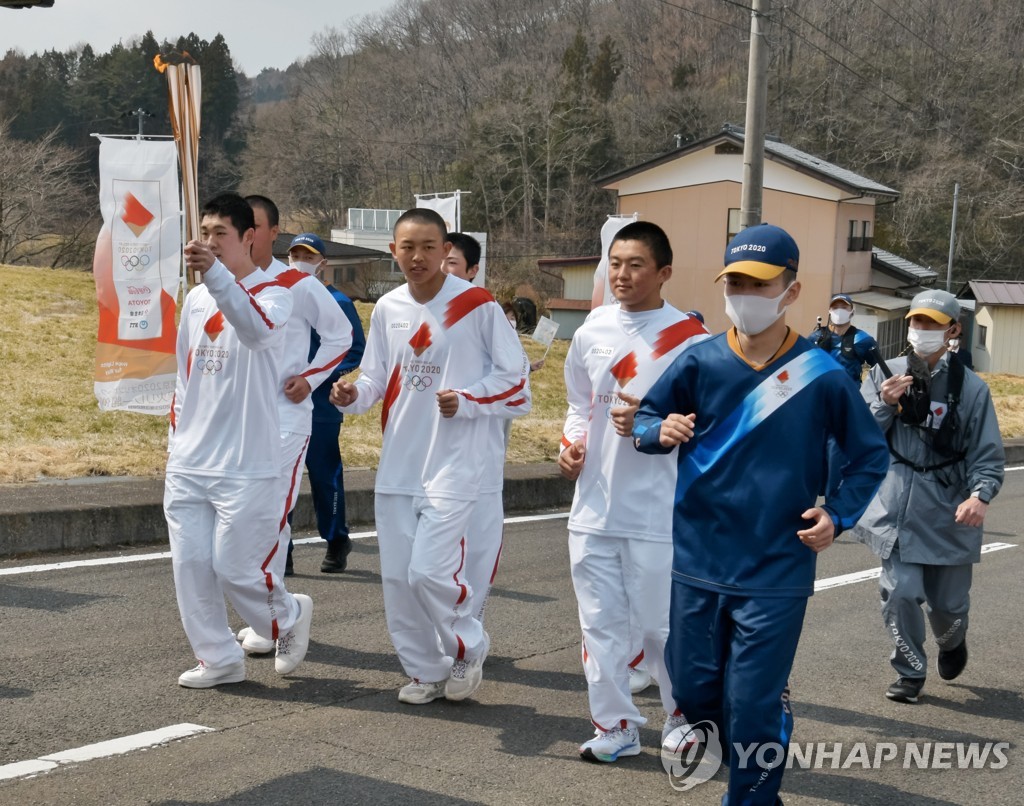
{"x": 926, "y": 520}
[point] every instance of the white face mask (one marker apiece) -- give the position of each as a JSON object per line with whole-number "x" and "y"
{"x": 303, "y": 266}
{"x": 840, "y": 316}
{"x": 752, "y": 314}
{"x": 926, "y": 342}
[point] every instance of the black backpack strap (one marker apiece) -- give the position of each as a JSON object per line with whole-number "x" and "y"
{"x": 849, "y": 337}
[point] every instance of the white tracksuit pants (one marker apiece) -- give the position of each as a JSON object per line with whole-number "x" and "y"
{"x": 608, "y": 574}
{"x": 293, "y": 462}
{"x": 484, "y": 535}
{"x": 426, "y": 594}
{"x": 224, "y": 535}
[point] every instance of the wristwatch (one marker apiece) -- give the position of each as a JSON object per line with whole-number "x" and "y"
{"x": 980, "y": 496}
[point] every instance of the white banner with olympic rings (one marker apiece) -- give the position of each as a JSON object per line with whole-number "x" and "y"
{"x": 137, "y": 267}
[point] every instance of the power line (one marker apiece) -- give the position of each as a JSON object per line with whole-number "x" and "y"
{"x": 909, "y": 30}
{"x": 708, "y": 16}
{"x": 903, "y": 105}
{"x": 838, "y": 62}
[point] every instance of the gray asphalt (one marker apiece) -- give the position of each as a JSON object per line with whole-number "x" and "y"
{"x": 92, "y": 654}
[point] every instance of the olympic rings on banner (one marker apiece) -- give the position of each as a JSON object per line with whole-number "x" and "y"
{"x": 132, "y": 262}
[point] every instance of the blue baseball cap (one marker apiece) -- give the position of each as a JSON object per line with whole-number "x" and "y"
{"x": 763, "y": 251}
{"x": 841, "y": 298}
{"x": 310, "y": 241}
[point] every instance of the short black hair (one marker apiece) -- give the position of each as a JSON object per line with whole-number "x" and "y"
{"x": 423, "y": 215}
{"x": 652, "y": 236}
{"x": 468, "y": 246}
{"x": 232, "y": 207}
{"x": 267, "y": 206}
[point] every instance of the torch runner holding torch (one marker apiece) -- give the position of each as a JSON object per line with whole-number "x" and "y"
{"x": 221, "y": 495}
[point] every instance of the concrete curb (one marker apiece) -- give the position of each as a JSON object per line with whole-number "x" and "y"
{"x": 128, "y": 511}
{"x": 110, "y": 512}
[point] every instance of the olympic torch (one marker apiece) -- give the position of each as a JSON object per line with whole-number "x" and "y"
{"x": 184, "y": 100}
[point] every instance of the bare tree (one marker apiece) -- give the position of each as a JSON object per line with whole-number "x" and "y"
{"x": 43, "y": 207}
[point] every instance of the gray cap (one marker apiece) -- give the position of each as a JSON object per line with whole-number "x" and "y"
{"x": 938, "y": 305}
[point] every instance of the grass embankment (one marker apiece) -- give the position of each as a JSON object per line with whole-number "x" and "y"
{"x": 52, "y": 428}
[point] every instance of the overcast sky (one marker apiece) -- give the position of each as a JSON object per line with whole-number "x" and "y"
{"x": 260, "y": 33}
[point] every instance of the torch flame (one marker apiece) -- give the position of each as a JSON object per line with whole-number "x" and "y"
{"x": 161, "y": 63}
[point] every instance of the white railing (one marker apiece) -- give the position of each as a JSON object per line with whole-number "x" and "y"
{"x": 367, "y": 218}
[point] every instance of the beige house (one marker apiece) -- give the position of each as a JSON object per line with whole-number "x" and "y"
{"x": 572, "y": 305}
{"x": 693, "y": 193}
{"x": 998, "y": 330}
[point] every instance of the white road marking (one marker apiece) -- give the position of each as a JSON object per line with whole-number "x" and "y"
{"x": 153, "y": 738}
{"x": 166, "y": 555}
{"x": 35, "y": 569}
{"x": 874, "y": 573}
{"x": 90, "y": 752}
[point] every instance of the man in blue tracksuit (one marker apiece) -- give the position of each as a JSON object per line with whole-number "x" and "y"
{"x": 847, "y": 344}
{"x": 323, "y": 459}
{"x": 852, "y": 348}
{"x": 752, "y": 410}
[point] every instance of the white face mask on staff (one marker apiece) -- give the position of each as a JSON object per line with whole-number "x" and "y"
{"x": 840, "y": 315}
{"x": 926, "y": 342}
{"x": 753, "y": 314}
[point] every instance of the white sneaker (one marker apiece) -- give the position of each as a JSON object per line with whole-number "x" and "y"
{"x": 465, "y": 678}
{"x": 608, "y": 745}
{"x": 254, "y": 644}
{"x": 671, "y": 723}
{"x": 639, "y": 679}
{"x": 292, "y": 646}
{"x": 417, "y": 693}
{"x": 203, "y": 676}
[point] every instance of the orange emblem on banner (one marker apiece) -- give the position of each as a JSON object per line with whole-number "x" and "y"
{"x": 135, "y": 216}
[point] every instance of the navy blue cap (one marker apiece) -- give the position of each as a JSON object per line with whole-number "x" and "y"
{"x": 310, "y": 241}
{"x": 763, "y": 251}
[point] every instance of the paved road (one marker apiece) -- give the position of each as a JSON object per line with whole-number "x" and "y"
{"x": 92, "y": 654}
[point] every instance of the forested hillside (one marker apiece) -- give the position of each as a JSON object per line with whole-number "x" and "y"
{"x": 525, "y": 103}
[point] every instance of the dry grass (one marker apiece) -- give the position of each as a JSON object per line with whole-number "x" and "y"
{"x": 1008, "y": 396}
{"x": 52, "y": 428}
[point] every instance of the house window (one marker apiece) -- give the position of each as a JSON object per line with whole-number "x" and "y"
{"x": 891, "y": 337}
{"x": 733, "y": 225}
{"x": 982, "y": 336}
{"x": 856, "y": 241}
{"x": 867, "y": 236}
{"x": 350, "y": 274}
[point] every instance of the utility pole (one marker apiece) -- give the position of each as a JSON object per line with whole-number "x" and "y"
{"x": 753, "y": 136}
{"x": 952, "y": 239}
